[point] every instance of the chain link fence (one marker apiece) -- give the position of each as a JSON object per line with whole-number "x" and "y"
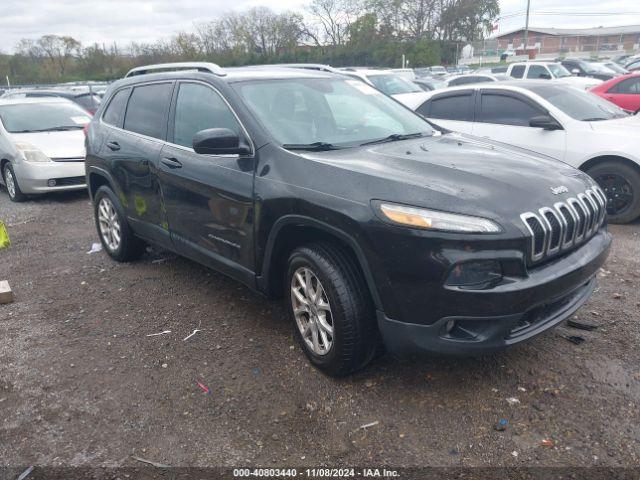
{"x": 548, "y": 47}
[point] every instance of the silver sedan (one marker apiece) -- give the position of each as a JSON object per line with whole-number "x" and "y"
{"x": 41, "y": 146}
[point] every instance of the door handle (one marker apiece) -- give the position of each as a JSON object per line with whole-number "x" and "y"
{"x": 172, "y": 162}
{"x": 113, "y": 146}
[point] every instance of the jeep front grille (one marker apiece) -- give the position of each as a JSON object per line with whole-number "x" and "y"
{"x": 566, "y": 224}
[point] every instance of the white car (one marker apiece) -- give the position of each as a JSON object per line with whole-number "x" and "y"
{"x": 387, "y": 81}
{"x": 41, "y": 146}
{"x": 549, "y": 71}
{"x": 560, "y": 121}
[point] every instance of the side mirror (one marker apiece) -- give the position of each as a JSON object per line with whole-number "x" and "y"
{"x": 218, "y": 141}
{"x": 545, "y": 122}
{"x": 575, "y": 71}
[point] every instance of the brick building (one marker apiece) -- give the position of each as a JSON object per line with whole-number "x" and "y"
{"x": 567, "y": 40}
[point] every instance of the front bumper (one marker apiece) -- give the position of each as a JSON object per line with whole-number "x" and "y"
{"x": 508, "y": 314}
{"x": 33, "y": 177}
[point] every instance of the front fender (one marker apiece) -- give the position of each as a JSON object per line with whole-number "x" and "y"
{"x": 305, "y": 221}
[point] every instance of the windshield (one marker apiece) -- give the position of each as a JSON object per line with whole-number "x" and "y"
{"x": 558, "y": 70}
{"x": 616, "y": 68}
{"x": 588, "y": 67}
{"x": 579, "y": 104}
{"x": 392, "y": 84}
{"x": 42, "y": 117}
{"x": 335, "y": 111}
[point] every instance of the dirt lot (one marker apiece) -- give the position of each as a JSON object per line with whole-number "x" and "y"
{"x": 81, "y": 383}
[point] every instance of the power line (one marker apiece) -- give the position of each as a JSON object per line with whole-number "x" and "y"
{"x": 579, "y": 14}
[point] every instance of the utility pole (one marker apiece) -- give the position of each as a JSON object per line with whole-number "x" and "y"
{"x": 526, "y": 28}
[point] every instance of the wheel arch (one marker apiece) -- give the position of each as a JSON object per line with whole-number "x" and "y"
{"x": 608, "y": 158}
{"x": 3, "y": 162}
{"x": 97, "y": 178}
{"x": 290, "y": 232}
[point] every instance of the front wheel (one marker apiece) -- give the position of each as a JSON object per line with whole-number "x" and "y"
{"x": 116, "y": 235}
{"x": 330, "y": 308}
{"x": 621, "y": 185}
{"x": 11, "y": 182}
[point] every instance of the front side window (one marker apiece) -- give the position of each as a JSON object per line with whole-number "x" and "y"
{"x": 147, "y": 110}
{"x": 114, "y": 113}
{"x": 538, "y": 71}
{"x": 507, "y": 110}
{"x": 451, "y": 107}
{"x": 578, "y": 104}
{"x": 337, "y": 111}
{"x": 43, "y": 117}
{"x": 199, "y": 107}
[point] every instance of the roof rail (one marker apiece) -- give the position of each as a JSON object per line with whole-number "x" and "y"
{"x": 198, "y": 66}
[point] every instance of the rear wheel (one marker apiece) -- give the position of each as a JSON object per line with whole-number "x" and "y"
{"x": 116, "y": 235}
{"x": 11, "y": 182}
{"x": 621, "y": 185}
{"x": 330, "y": 309}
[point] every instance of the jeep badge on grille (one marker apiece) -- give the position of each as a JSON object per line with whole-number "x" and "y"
{"x": 559, "y": 190}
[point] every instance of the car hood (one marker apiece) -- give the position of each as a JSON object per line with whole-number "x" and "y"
{"x": 460, "y": 173}
{"x": 412, "y": 100}
{"x": 627, "y": 126}
{"x": 581, "y": 82}
{"x": 67, "y": 144}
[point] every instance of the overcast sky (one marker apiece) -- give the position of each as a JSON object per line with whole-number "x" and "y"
{"x": 122, "y": 21}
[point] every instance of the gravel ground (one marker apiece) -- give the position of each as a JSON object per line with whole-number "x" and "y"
{"x": 82, "y": 384}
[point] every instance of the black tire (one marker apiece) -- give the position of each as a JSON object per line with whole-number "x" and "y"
{"x": 355, "y": 335}
{"x": 18, "y": 196}
{"x": 632, "y": 177}
{"x": 130, "y": 247}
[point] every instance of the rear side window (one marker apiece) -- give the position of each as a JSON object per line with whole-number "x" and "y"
{"x": 147, "y": 110}
{"x": 198, "y": 107}
{"x": 517, "y": 71}
{"x": 451, "y": 107}
{"x": 507, "y": 110}
{"x": 115, "y": 110}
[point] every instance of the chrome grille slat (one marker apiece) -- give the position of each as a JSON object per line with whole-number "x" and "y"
{"x": 565, "y": 225}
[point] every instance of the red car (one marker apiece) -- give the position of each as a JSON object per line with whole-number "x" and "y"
{"x": 624, "y": 91}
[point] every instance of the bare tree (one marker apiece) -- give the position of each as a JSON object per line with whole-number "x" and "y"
{"x": 334, "y": 17}
{"x": 59, "y": 50}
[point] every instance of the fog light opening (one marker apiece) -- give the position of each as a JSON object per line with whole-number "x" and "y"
{"x": 451, "y": 324}
{"x": 475, "y": 274}
{"x": 51, "y": 182}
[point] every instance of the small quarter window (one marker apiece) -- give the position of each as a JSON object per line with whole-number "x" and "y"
{"x": 115, "y": 110}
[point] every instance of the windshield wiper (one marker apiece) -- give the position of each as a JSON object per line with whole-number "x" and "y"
{"x": 53, "y": 129}
{"x": 394, "y": 137}
{"x": 594, "y": 119}
{"x": 63, "y": 128}
{"x": 312, "y": 147}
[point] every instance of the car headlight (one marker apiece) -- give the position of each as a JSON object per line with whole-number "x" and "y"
{"x": 31, "y": 153}
{"x": 435, "y": 220}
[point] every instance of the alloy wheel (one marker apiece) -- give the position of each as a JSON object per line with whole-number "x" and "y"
{"x": 110, "y": 228}
{"x": 618, "y": 191}
{"x": 10, "y": 182}
{"x": 312, "y": 311}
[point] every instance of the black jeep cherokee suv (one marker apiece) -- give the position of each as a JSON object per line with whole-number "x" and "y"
{"x": 372, "y": 224}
